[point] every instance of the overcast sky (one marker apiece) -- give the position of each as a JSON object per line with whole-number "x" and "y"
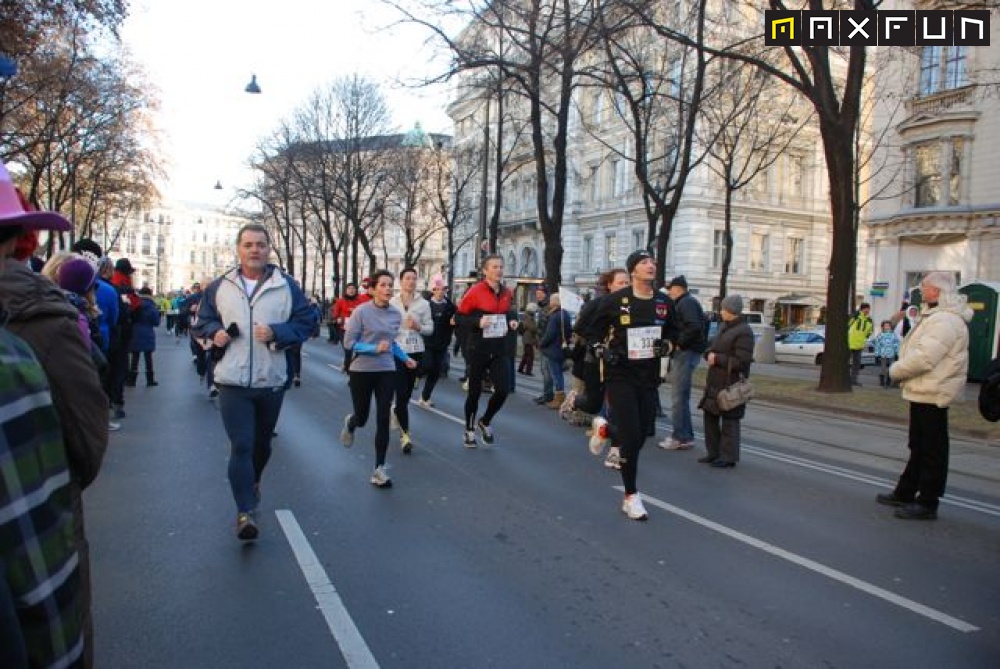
{"x": 201, "y": 53}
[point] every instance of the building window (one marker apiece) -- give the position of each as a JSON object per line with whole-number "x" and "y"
{"x": 192, "y": 258}
{"x": 610, "y": 251}
{"x": 942, "y": 68}
{"x": 638, "y": 239}
{"x": 587, "y": 254}
{"x": 794, "y": 176}
{"x": 597, "y": 108}
{"x": 927, "y": 175}
{"x": 794, "y": 255}
{"x": 718, "y": 248}
{"x": 759, "y": 243}
{"x": 146, "y": 244}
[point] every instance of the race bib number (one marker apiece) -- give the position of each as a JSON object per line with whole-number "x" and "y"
{"x": 411, "y": 342}
{"x": 641, "y": 342}
{"x": 496, "y": 326}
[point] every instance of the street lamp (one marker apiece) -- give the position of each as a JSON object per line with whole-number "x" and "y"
{"x": 253, "y": 87}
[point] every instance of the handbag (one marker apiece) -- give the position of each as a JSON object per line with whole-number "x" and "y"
{"x": 735, "y": 394}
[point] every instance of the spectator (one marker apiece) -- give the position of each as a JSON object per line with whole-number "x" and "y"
{"x": 688, "y": 348}
{"x": 558, "y": 333}
{"x": 542, "y": 316}
{"x": 859, "y": 330}
{"x": 144, "y": 323}
{"x": 529, "y": 338}
{"x": 932, "y": 368}
{"x": 38, "y": 313}
{"x": 41, "y": 598}
{"x": 728, "y": 358}
{"x": 886, "y": 345}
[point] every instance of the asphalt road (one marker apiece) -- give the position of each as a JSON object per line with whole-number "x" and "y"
{"x": 517, "y": 555}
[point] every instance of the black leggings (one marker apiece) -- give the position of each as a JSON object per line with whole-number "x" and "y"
{"x": 633, "y": 409}
{"x": 434, "y": 362}
{"x": 406, "y": 378}
{"x": 499, "y": 369}
{"x": 363, "y": 386}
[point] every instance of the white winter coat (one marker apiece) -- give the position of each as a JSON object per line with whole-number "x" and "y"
{"x": 934, "y": 357}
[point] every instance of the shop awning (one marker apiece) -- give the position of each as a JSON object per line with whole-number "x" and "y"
{"x": 800, "y": 301}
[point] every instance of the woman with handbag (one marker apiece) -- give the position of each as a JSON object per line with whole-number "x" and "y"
{"x": 729, "y": 359}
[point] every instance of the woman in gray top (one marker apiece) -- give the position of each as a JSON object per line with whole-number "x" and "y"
{"x": 370, "y": 333}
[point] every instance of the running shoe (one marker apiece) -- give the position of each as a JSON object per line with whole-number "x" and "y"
{"x": 485, "y": 431}
{"x": 566, "y": 408}
{"x": 113, "y": 426}
{"x": 213, "y": 393}
{"x": 380, "y": 479}
{"x": 599, "y": 435}
{"x": 613, "y": 460}
{"x": 297, "y": 382}
{"x": 465, "y": 385}
{"x": 246, "y": 527}
{"x": 405, "y": 442}
{"x": 669, "y": 444}
{"x": 470, "y": 439}
{"x": 426, "y": 404}
{"x": 633, "y": 508}
{"x": 347, "y": 434}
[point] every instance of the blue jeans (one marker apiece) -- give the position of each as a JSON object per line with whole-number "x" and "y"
{"x": 546, "y": 379}
{"x": 556, "y": 372}
{"x": 681, "y": 370}
{"x": 249, "y": 416}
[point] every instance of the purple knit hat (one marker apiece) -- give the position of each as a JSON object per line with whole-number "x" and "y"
{"x": 76, "y": 275}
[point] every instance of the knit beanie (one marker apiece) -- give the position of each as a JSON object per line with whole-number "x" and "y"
{"x": 733, "y": 304}
{"x": 76, "y": 275}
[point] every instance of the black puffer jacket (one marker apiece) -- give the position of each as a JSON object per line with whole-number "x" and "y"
{"x": 733, "y": 349}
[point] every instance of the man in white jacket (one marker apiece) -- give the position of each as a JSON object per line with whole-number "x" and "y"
{"x": 932, "y": 369}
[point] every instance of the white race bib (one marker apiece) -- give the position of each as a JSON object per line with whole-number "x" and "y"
{"x": 641, "y": 342}
{"x": 411, "y": 341}
{"x": 496, "y": 326}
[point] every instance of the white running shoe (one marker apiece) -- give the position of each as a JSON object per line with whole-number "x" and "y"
{"x": 599, "y": 435}
{"x": 669, "y": 444}
{"x": 613, "y": 460}
{"x": 470, "y": 439}
{"x": 566, "y": 408}
{"x": 405, "y": 442}
{"x": 633, "y": 508}
{"x": 426, "y": 404}
{"x": 347, "y": 434}
{"x": 113, "y": 426}
{"x": 380, "y": 479}
{"x": 465, "y": 385}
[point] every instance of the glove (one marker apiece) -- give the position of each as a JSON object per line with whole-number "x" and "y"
{"x": 662, "y": 348}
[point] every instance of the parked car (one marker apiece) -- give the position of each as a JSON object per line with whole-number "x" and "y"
{"x": 806, "y": 346}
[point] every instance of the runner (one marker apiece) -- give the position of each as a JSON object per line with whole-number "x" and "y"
{"x": 436, "y": 345}
{"x": 485, "y": 312}
{"x": 639, "y": 324}
{"x": 370, "y": 334}
{"x": 417, "y": 323}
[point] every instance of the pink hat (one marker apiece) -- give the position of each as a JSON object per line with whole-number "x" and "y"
{"x": 13, "y": 212}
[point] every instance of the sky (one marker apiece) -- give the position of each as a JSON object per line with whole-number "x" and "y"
{"x": 200, "y": 54}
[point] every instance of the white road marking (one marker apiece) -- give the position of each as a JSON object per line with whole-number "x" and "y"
{"x": 352, "y": 645}
{"x": 817, "y": 567}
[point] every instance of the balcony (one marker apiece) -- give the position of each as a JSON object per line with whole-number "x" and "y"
{"x": 939, "y": 102}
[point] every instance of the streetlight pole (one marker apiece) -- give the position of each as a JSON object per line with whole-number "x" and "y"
{"x": 483, "y": 245}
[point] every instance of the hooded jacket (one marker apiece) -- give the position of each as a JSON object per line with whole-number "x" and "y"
{"x": 934, "y": 358}
{"x": 39, "y": 313}
{"x": 278, "y": 302}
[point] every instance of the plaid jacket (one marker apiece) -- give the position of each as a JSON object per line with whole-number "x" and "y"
{"x": 39, "y": 564}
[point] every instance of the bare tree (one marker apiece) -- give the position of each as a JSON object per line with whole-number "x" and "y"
{"x": 748, "y": 131}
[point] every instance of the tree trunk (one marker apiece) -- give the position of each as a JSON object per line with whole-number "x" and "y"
{"x": 727, "y": 257}
{"x": 835, "y": 375}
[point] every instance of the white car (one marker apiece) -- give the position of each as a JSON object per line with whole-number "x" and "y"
{"x": 806, "y": 346}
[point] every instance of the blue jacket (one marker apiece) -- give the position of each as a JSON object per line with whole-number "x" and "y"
{"x": 108, "y": 302}
{"x": 278, "y": 302}
{"x": 552, "y": 341}
{"x": 145, "y": 320}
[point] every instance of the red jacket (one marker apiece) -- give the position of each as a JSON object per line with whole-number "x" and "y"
{"x": 123, "y": 282}
{"x": 343, "y": 308}
{"x": 478, "y": 301}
